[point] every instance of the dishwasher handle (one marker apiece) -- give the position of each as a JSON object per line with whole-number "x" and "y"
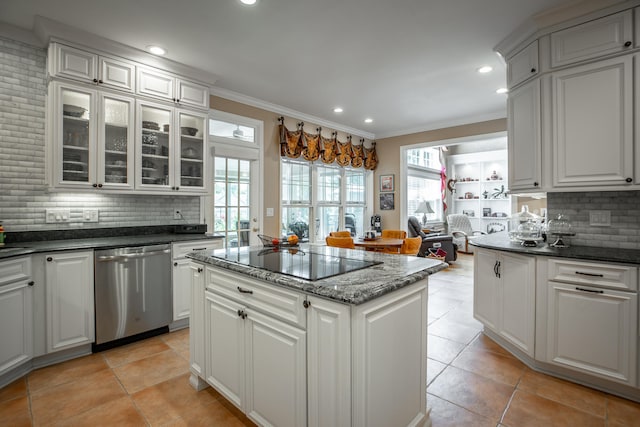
{"x": 109, "y": 258}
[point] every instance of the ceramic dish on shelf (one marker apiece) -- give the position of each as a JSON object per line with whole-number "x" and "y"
{"x": 72, "y": 110}
{"x": 188, "y": 131}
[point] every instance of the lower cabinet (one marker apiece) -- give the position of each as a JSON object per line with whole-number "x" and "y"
{"x": 289, "y": 359}
{"x": 16, "y": 318}
{"x": 504, "y": 296}
{"x": 256, "y": 361}
{"x": 593, "y": 330}
{"x": 69, "y": 299}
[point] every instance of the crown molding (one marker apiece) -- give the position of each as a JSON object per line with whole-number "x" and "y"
{"x": 258, "y": 103}
{"x": 20, "y": 34}
{"x": 443, "y": 124}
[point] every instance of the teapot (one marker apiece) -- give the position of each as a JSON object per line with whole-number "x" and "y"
{"x": 370, "y": 234}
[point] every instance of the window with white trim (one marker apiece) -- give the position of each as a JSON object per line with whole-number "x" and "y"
{"x": 329, "y": 197}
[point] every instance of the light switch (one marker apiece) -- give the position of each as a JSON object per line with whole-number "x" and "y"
{"x": 57, "y": 215}
{"x": 269, "y": 211}
{"x": 600, "y": 218}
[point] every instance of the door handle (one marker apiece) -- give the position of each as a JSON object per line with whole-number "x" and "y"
{"x": 589, "y": 290}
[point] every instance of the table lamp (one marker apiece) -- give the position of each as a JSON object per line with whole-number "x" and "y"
{"x": 424, "y": 208}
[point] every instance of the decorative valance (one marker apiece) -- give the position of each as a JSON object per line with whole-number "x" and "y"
{"x": 312, "y": 147}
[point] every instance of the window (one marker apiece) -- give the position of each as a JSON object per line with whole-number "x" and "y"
{"x": 232, "y": 199}
{"x": 423, "y": 182}
{"x": 329, "y": 197}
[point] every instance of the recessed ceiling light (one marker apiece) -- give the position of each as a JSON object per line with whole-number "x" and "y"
{"x": 338, "y": 110}
{"x": 156, "y": 50}
{"x": 485, "y": 69}
{"x": 249, "y": 2}
{"x": 502, "y": 90}
{"x": 368, "y": 120}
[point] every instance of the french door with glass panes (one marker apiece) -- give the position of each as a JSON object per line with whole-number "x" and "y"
{"x": 235, "y": 201}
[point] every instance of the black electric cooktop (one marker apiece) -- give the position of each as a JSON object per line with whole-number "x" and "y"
{"x": 295, "y": 262}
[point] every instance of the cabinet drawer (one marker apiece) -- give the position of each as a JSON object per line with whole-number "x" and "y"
{"x": 599, "y": 37}
{"x": 14, "y": 270}
{"x": 593, "y": 273}
{"x": 276, "y": 301}
{"x": 179, "y": 250}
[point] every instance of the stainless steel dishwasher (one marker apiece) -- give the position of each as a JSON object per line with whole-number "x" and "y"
{"x": 132, "y": 294}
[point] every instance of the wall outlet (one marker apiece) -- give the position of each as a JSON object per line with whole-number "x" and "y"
{"x": 57, "y": 215}
{"x": 90, "y": 215}
{"x": 177, "y": 214}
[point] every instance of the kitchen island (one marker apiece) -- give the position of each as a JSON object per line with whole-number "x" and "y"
{"x": 347, "y": 349}
{"x": 569, "y": 312}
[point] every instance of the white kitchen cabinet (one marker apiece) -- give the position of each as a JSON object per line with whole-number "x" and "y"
{"x": 593, "y": 124}
{"x": 608, "y": 35}
{"x": 389, "y": 379}
{"x": 328, "y": 363}
{"x": 181, "y": 276}
{"x": 593, "y": 330}
{"x": 172, "y": 149}
{"x": 504, "y": 296}
{"x": 256, "y": 361}
{"x": 92, "y": 138}
{"x": 16, "y": 313}
{"x": 524, "y": 143}
{"x": 70, "y": 62}
{"x": 159, "y": 84}
{"x": 69, "y": 299}
{"x": 523, "y": 65}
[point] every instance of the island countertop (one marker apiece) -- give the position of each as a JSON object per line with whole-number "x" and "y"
{"x": 500, "y": 241}
{"x": 356, "y": 287}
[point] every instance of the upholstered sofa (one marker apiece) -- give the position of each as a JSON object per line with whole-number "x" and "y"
{"x": 428, "y": 240}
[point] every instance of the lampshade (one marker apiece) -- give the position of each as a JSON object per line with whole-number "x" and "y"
{"x": 424, "y": 208}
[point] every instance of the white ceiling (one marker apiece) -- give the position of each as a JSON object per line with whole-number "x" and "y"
{"x": 410, "y": 65}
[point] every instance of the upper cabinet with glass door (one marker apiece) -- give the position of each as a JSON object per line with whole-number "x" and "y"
{"x": 172, "y": 149}
{"x": 92, "y": 135}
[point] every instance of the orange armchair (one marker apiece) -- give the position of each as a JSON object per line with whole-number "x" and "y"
{"x": 340, "y": 242}
{"x": 345, "y": 233}
{"x": 411, "y": 245}
{"x": 394, "y": 234}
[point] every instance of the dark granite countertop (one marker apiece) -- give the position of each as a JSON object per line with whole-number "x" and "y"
{"x": 500, "y": 241}
{"x": 31, "y": 247}
{"x": 356, "y": 287}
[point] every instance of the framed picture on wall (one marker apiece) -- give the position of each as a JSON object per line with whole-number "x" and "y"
{"x": 387, "y": 202}
{"x": 386, "y": 183}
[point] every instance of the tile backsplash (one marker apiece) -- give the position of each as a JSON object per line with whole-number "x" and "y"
{"x": 23, "y": 188}
{"x": 624, "y": 206}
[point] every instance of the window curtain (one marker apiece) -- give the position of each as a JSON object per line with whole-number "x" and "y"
{"x": 312, "y": 147}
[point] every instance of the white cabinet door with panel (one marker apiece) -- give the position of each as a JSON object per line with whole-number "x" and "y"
{"x": 159, "y": 84}
{"x": 78, "y": 64}
{"x": 593, "y": 124}
{"x": 609, "y": 35}
{"x": 69, "y": 297}
{"x": 504, "y": 296}
{"x": 524, "y": 143}
{"x": 197, "y": 361}
{"x": 523, "y": 65}
{"x": 593, "y": 330}
{"x": 16, "y": 313}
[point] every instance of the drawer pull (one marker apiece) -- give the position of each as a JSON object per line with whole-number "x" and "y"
{"x": 198, "y": 249}
{"x": 589, "y": 290}
{"x": 589, "y": 274}
{"x": 244, "y": 291}
{"x": 199, "y": 270}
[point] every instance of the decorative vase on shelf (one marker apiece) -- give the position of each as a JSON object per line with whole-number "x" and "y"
{"x": 494, "y": 175}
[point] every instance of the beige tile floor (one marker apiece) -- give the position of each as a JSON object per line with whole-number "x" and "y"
{"x": 471, "y": 381}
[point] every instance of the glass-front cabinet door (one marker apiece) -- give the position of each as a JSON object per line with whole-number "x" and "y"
{"x": 74, "y": 136}
{"x": 115, "y": 142}
{"x": 191, "y": 152}
{"x": 155, "y": 149}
